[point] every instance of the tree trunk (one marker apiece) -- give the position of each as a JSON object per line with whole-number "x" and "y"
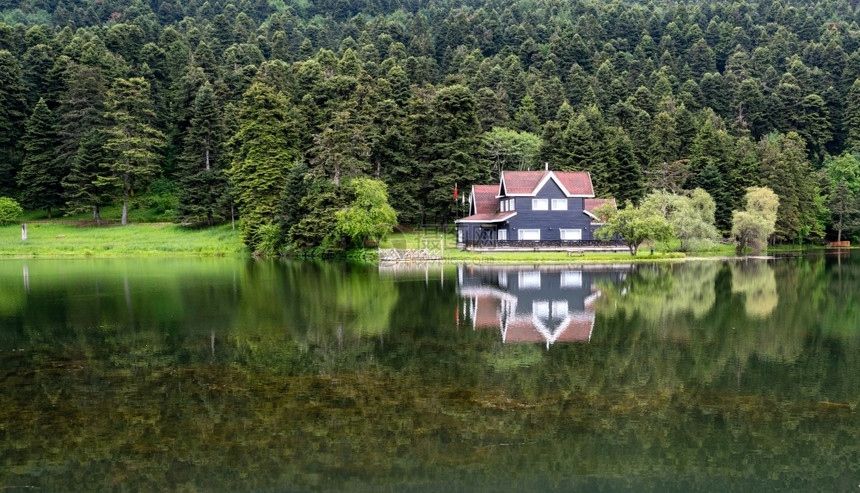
{"x": 97, "y": 217}
{"x": 125, "y": 194}
{"x": 839, "y": 229}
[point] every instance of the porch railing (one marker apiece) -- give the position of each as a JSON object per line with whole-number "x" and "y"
{"x": 489, "y": 243}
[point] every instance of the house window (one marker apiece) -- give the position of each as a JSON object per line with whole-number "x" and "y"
{"x": 504, "y": 206}
{"x": 540, "y": 204}
{"x": 503, "y": 234}
{"x": 559, "y": 204}
{"x": 529, "y": 280}
{"x": 571, "y": 234}
{"x": 559, "y": 309}
{"x": 528, "y": 234}
{"x": 459, "y": 236}
{"x": 571, "y": 279}
{"x": 512, "y": 205}
{"x": 540, "y": 309}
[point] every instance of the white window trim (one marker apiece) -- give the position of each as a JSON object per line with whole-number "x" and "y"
{"x": 571, "y": 279}
{"x": 540, "y": 204}
{"x": 563, "y": 232}
{"x": 512, "y": 205}
{"x": 520, "y": 234}
{"x": 502, "y": 234}
{"x": 559, "y": 204}
{"x": 529, "y": 280}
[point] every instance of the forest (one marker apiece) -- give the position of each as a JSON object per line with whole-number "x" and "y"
{"x": 314, "y": 121}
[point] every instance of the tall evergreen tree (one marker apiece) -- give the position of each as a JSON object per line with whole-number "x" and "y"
{"x": 12, "y": 116}
{"x": 39, "y": 179}
{"x": 265, "y": 146}
{"x": 131, "y": 141}
{"x": 203, "y": 183}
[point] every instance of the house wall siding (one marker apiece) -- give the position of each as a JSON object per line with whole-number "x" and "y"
{"x": 549, "y": 221}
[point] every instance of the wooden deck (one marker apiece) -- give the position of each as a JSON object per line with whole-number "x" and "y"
{"x": 409, "y": 254}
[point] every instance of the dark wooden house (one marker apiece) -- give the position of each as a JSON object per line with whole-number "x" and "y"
{"x": 532, "y": 208}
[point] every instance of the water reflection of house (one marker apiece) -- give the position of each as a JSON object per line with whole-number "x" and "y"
{"x": 546, "y": 305}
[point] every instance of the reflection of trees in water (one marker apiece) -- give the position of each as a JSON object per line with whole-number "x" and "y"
{"x": 659, "y": 294}
{"x": 756, "y": 280}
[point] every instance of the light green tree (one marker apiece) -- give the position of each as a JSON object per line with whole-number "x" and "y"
{"x": 367, "y": 215}
{"x": 634, "y": 225}
{"x": 691, "y": 217}
{"x": 752, "y": 226}
{"x": 10, "y": 211}
{"x": 511, "y": 150}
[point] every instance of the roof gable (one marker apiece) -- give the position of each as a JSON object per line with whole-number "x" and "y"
{"x": 484, "y": 199}
{"x": 529, "y": 183}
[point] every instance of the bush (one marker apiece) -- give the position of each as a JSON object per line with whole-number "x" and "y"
{"x": 10, "y": 211}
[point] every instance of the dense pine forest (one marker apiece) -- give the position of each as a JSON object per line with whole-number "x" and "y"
{"x": 302, "y": 119}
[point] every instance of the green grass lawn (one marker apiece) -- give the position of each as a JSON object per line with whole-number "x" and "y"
{"x": 450, "y": 251}
{"x": 63, "y": 239}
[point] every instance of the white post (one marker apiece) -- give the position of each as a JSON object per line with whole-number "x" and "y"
{"x": 23, "y": 231}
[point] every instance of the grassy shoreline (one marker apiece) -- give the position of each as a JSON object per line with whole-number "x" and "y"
{"x": 65, "y": 239}
{"x": 69, "y": 239}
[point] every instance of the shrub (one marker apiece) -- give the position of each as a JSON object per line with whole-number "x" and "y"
{"x": 10, "y": 211}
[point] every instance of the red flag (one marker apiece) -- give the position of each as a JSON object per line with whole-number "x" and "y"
{"x": 455, "y": 191}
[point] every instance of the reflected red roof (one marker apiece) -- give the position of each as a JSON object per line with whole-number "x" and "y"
{"x": 487, "y": 313}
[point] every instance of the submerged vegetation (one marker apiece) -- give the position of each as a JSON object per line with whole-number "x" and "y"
{"x": 187, "y": 374}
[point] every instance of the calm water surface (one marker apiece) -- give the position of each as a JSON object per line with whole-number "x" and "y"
{"x": 234, "y": 375}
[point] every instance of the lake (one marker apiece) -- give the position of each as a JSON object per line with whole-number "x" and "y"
{"x": 219, "y": 374}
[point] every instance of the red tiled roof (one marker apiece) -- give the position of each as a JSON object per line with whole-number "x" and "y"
{"x": 522, "y": 182}
{"x": 487, "y": 218}
{"x": 485, "y": 198}
{"x": 576, "y": 182}
{"x": 592, "y": 204}
{"x": 527, "y": 182}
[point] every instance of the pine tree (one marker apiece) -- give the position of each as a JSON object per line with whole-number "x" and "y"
{"x": 851, "y": 120}
{"x": 203, "y": 186}
{"x": 81, "y": 146}
{"x": 265, "y": 145}
{"x": 12, "y": 117}
{"x": 39, "y": 179}
{"x": 131, "y": 141}
{"x": 627, "y": 176}
{"x": 82, "y": 191}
